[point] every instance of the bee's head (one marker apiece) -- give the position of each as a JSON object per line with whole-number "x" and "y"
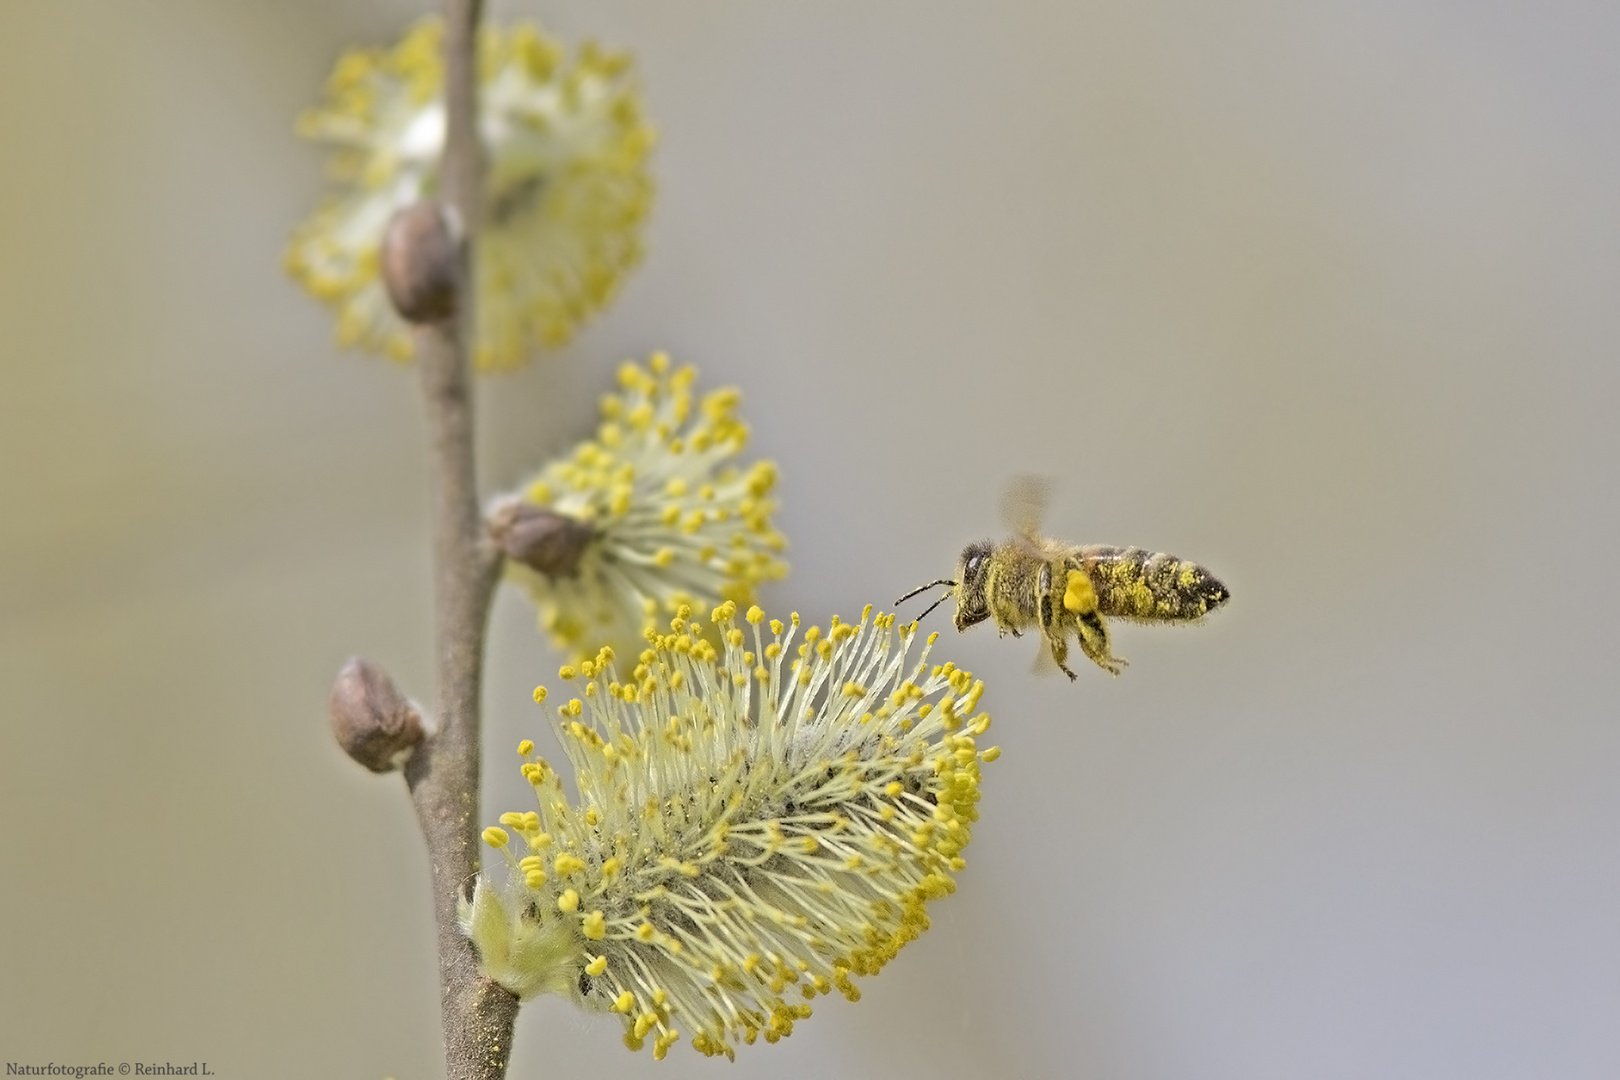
{"x": 972, "y": 601}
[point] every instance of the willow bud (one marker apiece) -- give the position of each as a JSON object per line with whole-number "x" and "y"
{"x": 541, "y": 539}
{"x": 374, "y": 723}
{"x": 420, "y": 261}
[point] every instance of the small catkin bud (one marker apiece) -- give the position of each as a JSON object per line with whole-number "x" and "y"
{"x": 538, "y": 538}
{"x": 421, "y": 250}
{"x": 372, "y": 721}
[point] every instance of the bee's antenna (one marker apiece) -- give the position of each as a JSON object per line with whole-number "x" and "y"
{"x": 924, "y": 588}
{"x": 934, "y": 605}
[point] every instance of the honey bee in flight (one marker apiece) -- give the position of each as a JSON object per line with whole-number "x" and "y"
{"x": 1031, "y": 580}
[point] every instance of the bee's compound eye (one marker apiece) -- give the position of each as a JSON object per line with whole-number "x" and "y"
{"x": 973, "y": 564}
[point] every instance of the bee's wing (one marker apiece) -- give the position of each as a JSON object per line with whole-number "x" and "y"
{"x": 1023, "y": 504}
{"x": 1043, "y": 665}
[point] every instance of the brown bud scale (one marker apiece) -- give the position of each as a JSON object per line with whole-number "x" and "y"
{"x": 372, "y": 721}
{"x": 420, "y": 261}
{"x": 541, "y": 539}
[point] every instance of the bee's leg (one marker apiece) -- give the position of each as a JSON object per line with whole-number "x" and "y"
{"x": 1005, "y": 614}
{"x": 1094, "y": 641}
{"x": 1060, "y": 650}
{"x": 1051, "y": 621}
{"x": 1080, "y": 602}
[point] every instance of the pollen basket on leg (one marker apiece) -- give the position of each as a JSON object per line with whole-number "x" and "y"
{"x": 759, "y": 822}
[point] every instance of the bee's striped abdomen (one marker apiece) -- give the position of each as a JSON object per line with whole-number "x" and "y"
{"x": 1133, "y": 583}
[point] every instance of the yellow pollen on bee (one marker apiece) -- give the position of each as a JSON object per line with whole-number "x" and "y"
{"x": 1079, "y": 595}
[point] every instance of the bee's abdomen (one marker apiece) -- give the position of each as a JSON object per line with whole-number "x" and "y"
{"x": 1133, "y": 583}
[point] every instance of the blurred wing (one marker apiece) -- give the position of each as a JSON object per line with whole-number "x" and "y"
{"x": 1044, "y": 665}
{"x": 1023, "y": 504}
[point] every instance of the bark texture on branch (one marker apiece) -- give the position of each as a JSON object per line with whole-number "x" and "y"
{"x": 443, "y": 774}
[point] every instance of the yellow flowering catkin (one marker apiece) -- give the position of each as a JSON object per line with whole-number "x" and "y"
{"x": 759, "y": 840}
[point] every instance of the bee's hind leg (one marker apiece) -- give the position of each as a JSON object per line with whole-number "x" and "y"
{"x": 1094, "y": 642}
{"x": 1080, "y": 603}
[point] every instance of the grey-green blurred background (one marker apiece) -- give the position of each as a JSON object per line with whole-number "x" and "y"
{"x": 1322, "y": 295}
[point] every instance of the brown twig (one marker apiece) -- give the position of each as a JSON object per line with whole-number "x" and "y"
{"x": 443, "y": 774}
